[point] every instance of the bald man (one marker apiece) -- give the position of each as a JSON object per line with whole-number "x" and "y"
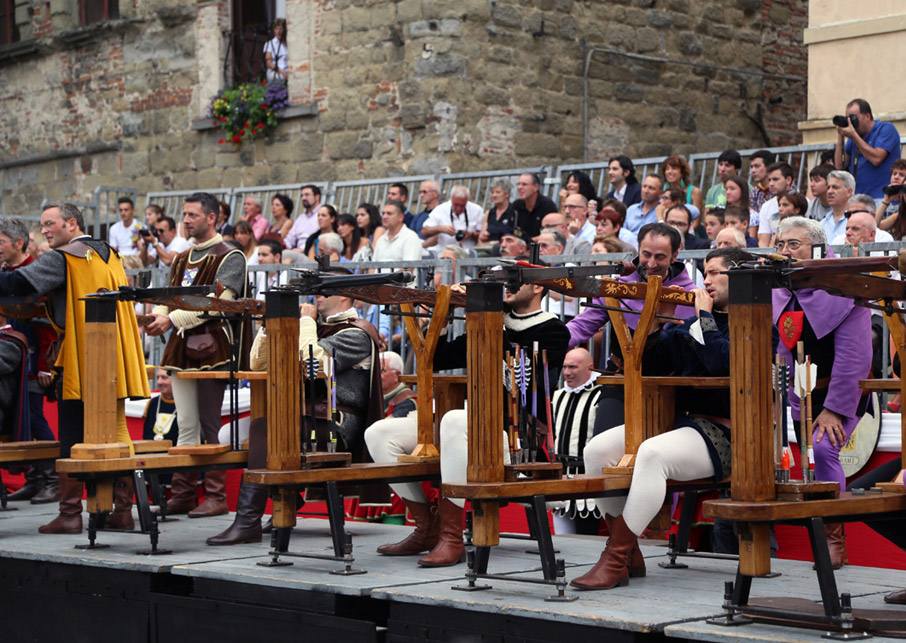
{"x": 574, "y": 408}
{"x": 730, "y": 237}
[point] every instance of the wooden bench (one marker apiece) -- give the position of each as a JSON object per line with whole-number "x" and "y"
{"x": 15, "y": 453}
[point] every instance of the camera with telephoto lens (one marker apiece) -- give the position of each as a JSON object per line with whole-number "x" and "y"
{"x": 460, "y": 235}
{"x": 894, "y": 190}
{"x": 842, "y": 121}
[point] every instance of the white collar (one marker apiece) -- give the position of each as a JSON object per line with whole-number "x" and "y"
{"x": 594, "y": 375}
{"x": 343, "y": 316}
{"x": 519, "y": 322}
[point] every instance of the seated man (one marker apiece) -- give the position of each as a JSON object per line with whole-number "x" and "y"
{"x": 698, "y": 446}
{"x": 399, "y": 399}
{"x": 330, "y": 327}
{"x": 441, "y": 531}
{"x": 574, "y": 407}
{"x": 837, "y": 337}
{"x": 659, "y": 245}
{"x": 14, "y": 424}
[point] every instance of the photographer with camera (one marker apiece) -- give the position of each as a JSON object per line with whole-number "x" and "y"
{"x": 457, "y": 221}
{"x": 161, "y": 242}
{"x": 871, "y": 150}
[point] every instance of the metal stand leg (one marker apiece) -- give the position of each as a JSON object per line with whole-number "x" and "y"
{"x": 736, "y": 595}
{"x": 554, "y": 569}
{"x": 472, "y": 573}
{"x": 157, "y": 495}
{"x": 679, "y": 543}
{"x": 342, "y": 541}
{"x": 482, "y": 557}
{"x": 93, "y": 520}
{"x": 279, "y": 545}
{"x": 146, "y": 518}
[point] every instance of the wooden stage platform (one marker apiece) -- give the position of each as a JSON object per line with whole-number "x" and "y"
{"x": 50, "y": 591}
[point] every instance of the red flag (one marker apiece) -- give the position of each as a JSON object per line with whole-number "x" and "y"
{"x": 790, "y": 327}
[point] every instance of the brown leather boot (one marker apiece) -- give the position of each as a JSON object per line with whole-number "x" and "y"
{"x": 449, "y": 549}
{"x": 897, "y": 598}
{"x": 121, "y": 517}
{"x": 214, "y": 496}
{"x": 836, "y": 544}
{"x": 70, "y": 519}
{"x": 636, "y": 560}
{"x": 246, "y": 527}
{"x": 183, "y": 498}
{"x": 423, "y": 538}
{"x": 612, "y": 569}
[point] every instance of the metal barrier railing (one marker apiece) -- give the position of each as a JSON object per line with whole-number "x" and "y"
{"x": 264, "y": 194}
{"x": 480, "y": 183}
{"x": 597, "y": 172}
{"x": 171, "y": 201}
{"x": 347, "y": 195}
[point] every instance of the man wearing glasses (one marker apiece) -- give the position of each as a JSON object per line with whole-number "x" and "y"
{"x": 576, "y": 208}
{"x": 164, "y": 243}
{"x": 837, "y": 338}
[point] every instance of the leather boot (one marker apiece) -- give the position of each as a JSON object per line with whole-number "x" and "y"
{"x": 449, "y": 549}
{"x": 836, "y": 544}
{"x": 612, "y": 569}
{"x": 182, "y": 494}
{"x": 423, "y": 538}
{"x": 70, "y": 519}
{"x": 246, "y": 527}
{"x": 51, "y": 491}
{"x": 121, "y": 517}
{"x": 636, "y": 560}
{"x": 34, "y": 484}
{"x": 214, "y": 496}
{"x": 897, "y": 598}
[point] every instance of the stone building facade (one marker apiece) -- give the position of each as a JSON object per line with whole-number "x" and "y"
{"x": 388, "y": 87}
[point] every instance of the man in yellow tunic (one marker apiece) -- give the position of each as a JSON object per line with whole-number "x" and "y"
{"x": 77, "y": 266}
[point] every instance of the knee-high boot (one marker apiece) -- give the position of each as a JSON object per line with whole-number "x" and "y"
{"x": 449, "y": 549}
{"x": 70, "y": 519}
{"x": 612, "y": 569}
{"x": 423, "y": 538}
{"x": 246, "y": 527}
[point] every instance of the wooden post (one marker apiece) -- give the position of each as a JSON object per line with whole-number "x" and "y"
{"x": 898, "y": 336}
{"x": 284, "y": 385}
{"x": 424, "y": 346}
{"x": 97, "y": 378}
{"x": 484, "y": 328}
{"x": 752, "y": 476}
{"x": 632, "y": 346}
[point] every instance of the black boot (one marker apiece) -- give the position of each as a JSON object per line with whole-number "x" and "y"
{"x": 34, "y": 483}
{"x": 246, "y": 527}
{"x": 51, "y": 491}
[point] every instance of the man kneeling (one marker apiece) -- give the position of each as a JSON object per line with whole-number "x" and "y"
{"x": 697, "y": 447}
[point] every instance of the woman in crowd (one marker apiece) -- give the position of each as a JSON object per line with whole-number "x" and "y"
{"x": 355, "y": 244}
{"x": 500, "y": 217}
{"x": 737, "y": 191}
{"x": 677, "y": 173}
{"x": 368, "y": 218}
{"x": 578, "y": 182}
{"x": 327, "y": 222}
{"x": 224, "y": 228}
{"x": 610, "y": 224}
{"x": 245, "y": 240}
{"x": 281, "y": 213}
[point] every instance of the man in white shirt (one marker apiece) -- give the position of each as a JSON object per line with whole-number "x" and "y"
{"x": 306, "y": 223}
{"x": 457, "y": 221}
{"x": 165, "y": 243}
{"x": 398, "y": 243}
{"x": 123, "y": 235}
{"x": 840, "y": 186}
{"x": 780, "y": 179}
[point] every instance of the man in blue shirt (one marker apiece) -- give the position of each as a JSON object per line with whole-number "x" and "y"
{"x": 871, "y": 150}
{"x": 644, "y": 212}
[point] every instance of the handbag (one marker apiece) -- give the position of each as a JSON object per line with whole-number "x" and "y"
{"x": 200, "y": 346}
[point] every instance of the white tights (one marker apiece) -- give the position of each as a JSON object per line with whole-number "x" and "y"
{"x": 680, "y": 454}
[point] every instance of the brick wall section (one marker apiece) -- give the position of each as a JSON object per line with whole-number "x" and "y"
{"x": 405, "y": 86}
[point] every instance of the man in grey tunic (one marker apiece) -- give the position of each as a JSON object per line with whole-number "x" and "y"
{"x": 201, "y": 342}
{"x": 352, "y": 343}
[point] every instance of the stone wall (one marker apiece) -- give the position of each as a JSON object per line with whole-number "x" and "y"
{"x": 395, "y": 87}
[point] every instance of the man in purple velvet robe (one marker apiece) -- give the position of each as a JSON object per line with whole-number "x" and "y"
{"x": 659, "y": 245}
{"x": 837, "y": 337}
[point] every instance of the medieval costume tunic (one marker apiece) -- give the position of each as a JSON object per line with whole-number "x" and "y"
{"x": 399, "y": 402}
{"x": 837, "y": 337}
{"x": 583, "y": 327}
{"x": 14, "y": 420}
{"x": 65, "y": 275}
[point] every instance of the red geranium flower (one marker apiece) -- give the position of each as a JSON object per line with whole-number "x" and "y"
{"x": 221, "y": 141}
{"x": 237, "y": 138}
